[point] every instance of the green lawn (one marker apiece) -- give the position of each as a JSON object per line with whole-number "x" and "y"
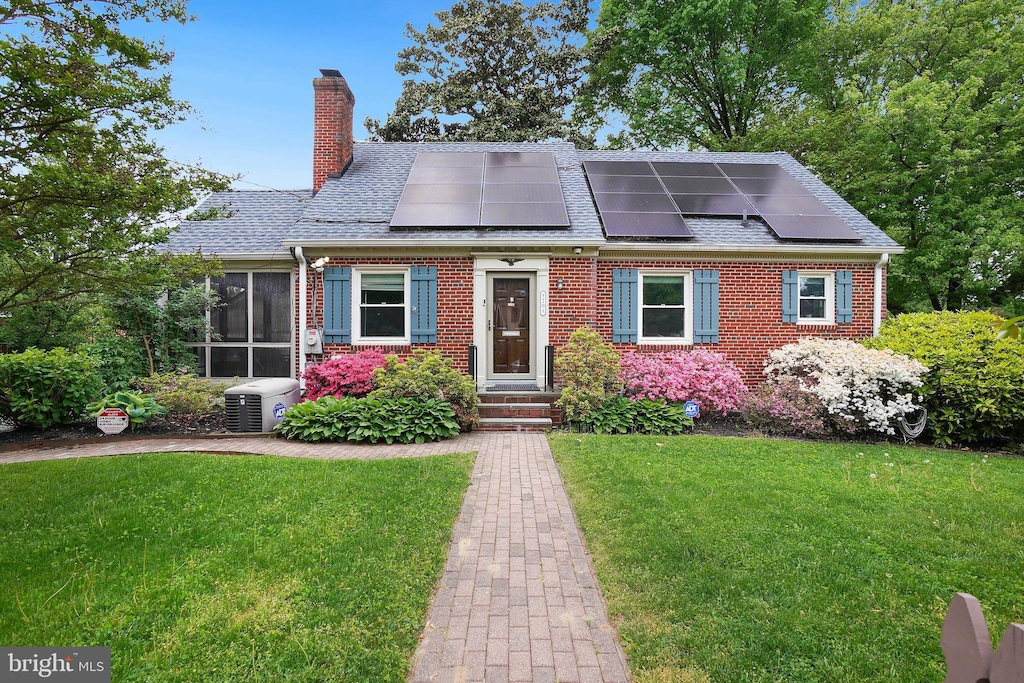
{"x": 728, "y": 559}
{"x": 216, "y": 568}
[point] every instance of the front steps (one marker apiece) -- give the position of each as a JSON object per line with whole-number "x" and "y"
{"x": 518, "y": 411}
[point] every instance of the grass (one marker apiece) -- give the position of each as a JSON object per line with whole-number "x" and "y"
{"x": 726, "y": 559}
{"x": 218, "y": 568}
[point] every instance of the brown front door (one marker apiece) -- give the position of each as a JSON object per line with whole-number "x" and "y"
{"x": 510, "y": 325}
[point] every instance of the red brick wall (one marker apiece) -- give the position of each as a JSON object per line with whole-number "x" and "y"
{"x": 750, "y": 311}
{"x": 750, "y": 308}
{"x": 454, "y": 306}
{"x": 333, "y": 105}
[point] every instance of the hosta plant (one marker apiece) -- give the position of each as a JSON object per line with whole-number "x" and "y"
{"x": 139, "y": 407}
{"x": 371, "y": 420}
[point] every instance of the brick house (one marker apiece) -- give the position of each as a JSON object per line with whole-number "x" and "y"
{"x": 495, "y": 252}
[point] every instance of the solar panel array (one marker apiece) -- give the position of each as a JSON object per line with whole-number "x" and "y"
{"x": 640, "y": 199}
{"x": 484, "y": 190}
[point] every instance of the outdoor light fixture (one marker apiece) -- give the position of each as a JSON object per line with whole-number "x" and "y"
{"x": 559, "y": 284}
{"x": 320, "y": 263}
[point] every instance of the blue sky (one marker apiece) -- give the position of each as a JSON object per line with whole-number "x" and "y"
{"x": 248, "y": 69}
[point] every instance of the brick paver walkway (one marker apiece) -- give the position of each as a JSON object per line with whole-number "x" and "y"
{"x": 518, "y": 600}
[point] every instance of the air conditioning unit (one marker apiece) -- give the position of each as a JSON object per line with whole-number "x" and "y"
{"x": 259, "y": 405}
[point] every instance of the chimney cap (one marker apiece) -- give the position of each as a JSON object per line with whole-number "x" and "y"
{"x": 330, "y": 73}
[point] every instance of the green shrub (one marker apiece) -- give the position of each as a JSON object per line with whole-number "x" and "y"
{"x": 620, "y": 415}
{"x": 182, "y": 392}
{"x": 428, "y": 375}
{"x": 590, "y": 372}
{"x": 139, "y": 407}
{"x": 974, "y": 389}
{"x": 373, "y": 420}
{"x": 119, "y": 360}
{"x": 47, "y": 388}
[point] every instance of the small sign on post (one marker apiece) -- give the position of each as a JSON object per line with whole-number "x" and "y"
{"x": 691, "y": 409}
{"x": 112, "y": 421}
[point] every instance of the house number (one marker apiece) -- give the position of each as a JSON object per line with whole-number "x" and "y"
{"x": 543, "y": 303}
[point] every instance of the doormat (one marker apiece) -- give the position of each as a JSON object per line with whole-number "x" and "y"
{"x": 513, "y": 387}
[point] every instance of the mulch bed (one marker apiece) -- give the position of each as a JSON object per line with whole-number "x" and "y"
{"x": 156, "y": 427}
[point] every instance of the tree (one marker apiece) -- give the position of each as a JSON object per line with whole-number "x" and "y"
{"x": 695, "y": 74}
{"x": 914, "y": 114}
{"x": 491, "y": 71}
{"x": 84, "y": 192}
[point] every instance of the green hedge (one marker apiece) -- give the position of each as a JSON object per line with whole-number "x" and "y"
{"x": 372, "y": 420}
{"x": 429, "y": 375}
{"x": 46, "y": 388}
{"x": 974, "y": 389}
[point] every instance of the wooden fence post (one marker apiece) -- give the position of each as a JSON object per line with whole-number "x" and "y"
{"x": 965, "y": 641}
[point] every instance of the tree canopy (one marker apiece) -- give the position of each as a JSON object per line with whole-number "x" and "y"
{"x": 491, "y": 71}
{"x": 695, "y": 74}
{"x": 85, "y": 194}
{"x": 913, "y": 112}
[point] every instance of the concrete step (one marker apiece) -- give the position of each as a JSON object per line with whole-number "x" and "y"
{"x": 514, "y": 424}
{"x": 509, "y": 410}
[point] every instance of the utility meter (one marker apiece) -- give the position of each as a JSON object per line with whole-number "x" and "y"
{"x": 313, "y": 341}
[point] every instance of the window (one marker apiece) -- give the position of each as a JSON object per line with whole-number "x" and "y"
{"x": 382, "y": 306}
{"x": 252, "y": 330}
{"x": 665, "y": 314}
{"x": 816, "y": 298}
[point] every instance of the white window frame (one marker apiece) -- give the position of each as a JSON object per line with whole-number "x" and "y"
{"x": 357, "y": 305}
{"x": 687, "y": 276}
{"x": 830, "y": 297}
{"x": 206, "y": 346}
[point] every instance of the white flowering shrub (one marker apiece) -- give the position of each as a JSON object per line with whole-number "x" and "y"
{"x": 861, "y": 389}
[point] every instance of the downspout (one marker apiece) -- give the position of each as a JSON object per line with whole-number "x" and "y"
{"x": 877, "y": 318}
{"x": 301, "y": 260}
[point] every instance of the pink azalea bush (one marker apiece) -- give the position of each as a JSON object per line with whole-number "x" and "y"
{"x": 783, "y": 408}
{"x": 348, "y": 375}
{"x": 702, "y": 376}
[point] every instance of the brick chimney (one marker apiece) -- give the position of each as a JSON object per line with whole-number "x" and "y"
{"x": 333, "y": 104}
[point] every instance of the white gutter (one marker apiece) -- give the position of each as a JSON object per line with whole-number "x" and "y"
{"x": 301, "y": 260}
{"x": 877, "y": 321}
{"x": 601, "y": 245}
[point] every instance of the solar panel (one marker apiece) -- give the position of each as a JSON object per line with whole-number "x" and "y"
{"x": 617, "y": 168}
{"x": 777, "y": 185}
{"x": 439, "y": 175}
{"x": 786, "y": 204}
{"x": 686, "y": 168}
{"x": 518, "y": 159}
{"x": 539, "y": 214}
{"x": 635, "y": 224}
{"x": 625, "y": 183}
{"x": 522, "y": 192}
{"x": 435, "y": 215}
{"x": 441, "y": 194}
{"x": 621, "y": 201}
{"x": 694, "y": 185}
{"x": 713, "y": 204}
{"x": 811, "y": 228}
{"x": 518, "y": 189}
{"x": 734, "y": 170}
{"x": 521, "y": 174}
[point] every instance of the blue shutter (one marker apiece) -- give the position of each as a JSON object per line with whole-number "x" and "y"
{"x": 624, "y": 305}
{"x": 790, "y": 296}
{"x": 424, "y": 304}
{"x": 844, "y": 296}
{"x": 337, "y": 305}
{"x": 705, "y": 306}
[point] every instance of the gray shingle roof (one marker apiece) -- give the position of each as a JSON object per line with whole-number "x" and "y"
{"x": 358, "y": 205}
{"x": 258, "y": 221}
